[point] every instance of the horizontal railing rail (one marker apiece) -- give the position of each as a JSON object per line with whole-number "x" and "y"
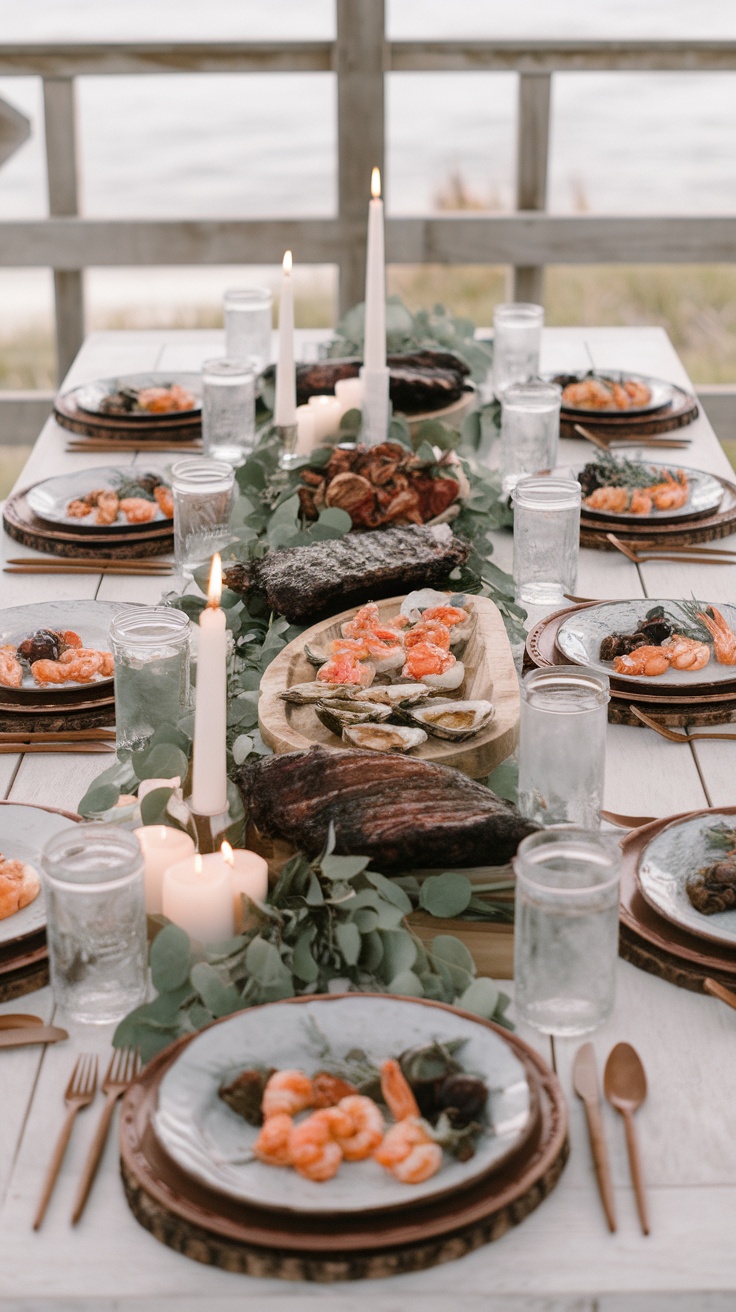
{"x": 360, "y": 56}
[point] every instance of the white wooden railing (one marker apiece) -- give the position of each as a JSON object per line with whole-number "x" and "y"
{"x": 360, "y": 56}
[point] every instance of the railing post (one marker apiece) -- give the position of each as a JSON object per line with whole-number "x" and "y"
{"x": 532, "y": 150}
{"x": 61, "y": 170}
{"x": 360, "y": 65}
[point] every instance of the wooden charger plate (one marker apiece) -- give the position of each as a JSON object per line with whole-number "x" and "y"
{"x": 489, "y": 674}
{"x": 218, "y": 1231}
{"x": 69, "y": 415}
{"x": 709, "y": 528}
{"x": 63, "y": 540}
{"x": 656, "y": 945}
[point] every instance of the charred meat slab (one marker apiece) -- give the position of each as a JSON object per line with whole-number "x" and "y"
{"x": 404, "y": 814}
{"x": 418, "y": 380}
{"x": 307, "y": 583}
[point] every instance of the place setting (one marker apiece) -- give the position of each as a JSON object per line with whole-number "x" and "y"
{"x": 153, "y": 411}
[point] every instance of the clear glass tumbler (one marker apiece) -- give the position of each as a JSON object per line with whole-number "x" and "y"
{"x": 248, "y": 324}
{"x": 96, "y": 922}
{"x": 562, "y": 745}
{"x": 204, "y": 492}
{"x": 546, "y": 539}
{"x": 530, "y": 430}
{"x": 151, "y": 650}
{"x": 566, "y": 930}
{"x": 517, "y": 335}
{"x": 228, "y": 409}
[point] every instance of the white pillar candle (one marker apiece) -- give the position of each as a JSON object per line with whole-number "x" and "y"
{"x": 374, "y": 343}
{"x": 249, "y": 878}
{"x": 305, "y": 430}
{"x": 326, "y": 416}
{"x": 285, "y": 411}
{"x": 162, "y": 846}
{"x": 209, "y": 771}
{"x": 349, "y": 392}
{"x": 197, "y": 896}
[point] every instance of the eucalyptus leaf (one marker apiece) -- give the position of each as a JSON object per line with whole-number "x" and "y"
{"x": 445, "y": 895}
{"x": 220, "y": 998}
{"x": 98, "y": 799}
{"x": 399, "y": 952}
{"x": 349, "y": 941}
{"x": 163, "y": 761}
{"x": 390, "y": 890}
{"x": 343, "y": 867}
{"x": 407, "y": 984}
{"x": 170, "y": 958}
{"x": 450, "y": 953}
{"x": 154, "y": 806}
{"x": 480, "y": 997}
{"x": 303, "y": 962}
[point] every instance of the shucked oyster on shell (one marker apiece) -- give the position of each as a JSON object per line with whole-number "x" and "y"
{"x": 447, "y": 682}
{"x": 383, "y": 737}
{"x": 453, "y": 720}
{"x": 304, "y": 693}
{"x": 395, "y": 694}
{"x": 338, "y": 712}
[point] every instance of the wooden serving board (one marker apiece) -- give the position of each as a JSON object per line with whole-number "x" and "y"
{"x": 218, "y": 1231}
{"x": 489, "y": 674}
{"x": 61, "y": 540}
{"x": 656, "y": 945}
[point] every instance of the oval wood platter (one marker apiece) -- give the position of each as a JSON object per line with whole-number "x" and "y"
{"x": 490, "y": 674}
{"x": 656, "y": 945}
{"x": 218, "y": 1231}
{"x": 452, "y": 414}
{"x": 23, "y": 526}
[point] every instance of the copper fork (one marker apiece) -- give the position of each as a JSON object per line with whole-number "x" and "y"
{"x": 120, "y": 1073}
{"x": 80, "y": 1091}
{"x": 689, "y": 555}
{"x": 672, "y": 735}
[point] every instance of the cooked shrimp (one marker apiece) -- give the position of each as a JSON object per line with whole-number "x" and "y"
{"x": 638, "y": 393}
{"x": 138, "y": 510}
{"x": 11, "y": 670}
{"x": 73, "y": 666}
{"x": 590, "y": 394}
{"x": 641, "y": 501}
{"x": 724, "y": 639}
{"x": 78, "y": 509}
{"x": 428, "y": 631}
{"x": 165, "y": 500}
{"x": 273, "y": 1145}
{"x": 396, "y": 1090}
{"x": 346, "y": 669}
{"x": 686, "y": 653}
{"x": 615, "y": 499}
{"x": 361, "y": 1129}
{"x": 162, "y": 400}
{"x": 649, "y": 661}
{"x": 364, "y": 619}
{"x": 672, "y": 493}
{"x": 287, "y": 1091}
{"x": 108, "y": 505}
{"x": 70, "y": 638}
{"x": 427, "y": 658}
{"x": 315, "y": 1153}
{"x": 409, "y": 1152}
{"x": 447, "y": 615}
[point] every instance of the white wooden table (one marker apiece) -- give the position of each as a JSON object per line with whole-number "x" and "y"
{"x": 562, "y": 1257}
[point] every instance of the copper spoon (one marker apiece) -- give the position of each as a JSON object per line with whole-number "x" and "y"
{"x": 625, "y": 1086}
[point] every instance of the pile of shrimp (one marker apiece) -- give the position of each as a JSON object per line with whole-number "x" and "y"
{"x": 164, "y": 400}
{"x": 670, "y": 494}
{"x": 369, "y": 646}
{"x": 344, "y": 1127}
{"x": 604, "y": 394}
{"x": 681, "y": 653}
{"x": 106, "y": 505}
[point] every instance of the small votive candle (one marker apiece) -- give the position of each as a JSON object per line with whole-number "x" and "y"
{"x": 305, "y": 431}
{"x": 162, "y": 846}
{"x": 349, "y": 392}
{"x": 249, "y": 876}
{"x": 327, "y": 412}
{"x": 198, "y": 897}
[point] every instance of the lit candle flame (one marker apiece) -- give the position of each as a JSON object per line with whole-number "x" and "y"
{"x": 227, "y": 853}
{"x": 287, "y": 262}
{"x": 376, "y": 184}
{"x": 197, "y": 864}
{"x": 214, "y": 590}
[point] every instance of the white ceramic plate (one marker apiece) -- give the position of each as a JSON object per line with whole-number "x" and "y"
{"x": 91, "y": 395}
{"x": 667, "y": 862}
{"x": 24, "y": 832}
{"x": 49, "y": 500}
{"x": 705, "y": 495}
{"x": 661, "y": 393}
{"x": 90, "y": 619}
{"x": 203, "y": 1135}
{"x": 580, "y": 635}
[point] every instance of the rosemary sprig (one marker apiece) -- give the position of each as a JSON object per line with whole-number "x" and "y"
{"x": 722, "y": 837}
{"x": 693, "y": 626}
{"x": 613, "y": 472}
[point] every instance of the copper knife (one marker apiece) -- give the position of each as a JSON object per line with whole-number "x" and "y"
{"x": 585, "y": 1084}
{"x": 17, "y": 1038}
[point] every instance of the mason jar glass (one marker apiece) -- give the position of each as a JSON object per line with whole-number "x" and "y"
{"x": 228, "y": 409}
{"x": 530, "y": 430}
{"x": 566, "y": 929}
{"x": 562, "y": 745}
{"x": 204, "y": 492}
{"x": 517, "y": 337}
{"x": 151, "y": 647}
{"x": 546, "y": 539}
{"x": 248, "y": 323}
{"x": 96, "y": 922}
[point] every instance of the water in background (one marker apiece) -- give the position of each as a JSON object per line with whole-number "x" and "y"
{"x": 258, "y": 145}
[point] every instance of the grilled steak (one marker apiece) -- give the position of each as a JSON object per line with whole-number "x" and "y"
{"x": 307, "y": 583}
{"x": 418, "y": 380}
{"x": 402, "y": 813}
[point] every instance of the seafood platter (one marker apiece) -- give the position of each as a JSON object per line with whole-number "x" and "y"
{"x": 636, "y": 493}
{"x": 341, "y": 1137}
{"x": 24, "y": 831}
{"x": 111, "y": 498}
{"x": 147, "y": 405}
{"x": 678, "y": 894}
{"x": 430, "y": 674}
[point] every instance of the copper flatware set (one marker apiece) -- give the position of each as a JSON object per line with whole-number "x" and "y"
{"x": 625, "y": 1088}
{"x": 88, "y": 742}
{"x": 687, "y": 555}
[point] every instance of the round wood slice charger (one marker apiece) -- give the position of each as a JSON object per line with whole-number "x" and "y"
{"x": 218, "y": 1230}
{"x": 23, "y": 526}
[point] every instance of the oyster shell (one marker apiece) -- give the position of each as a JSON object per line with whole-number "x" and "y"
{"x": 304, "y": 693}
{"x": 383, "y": 737}
{"x": 454, "y": 720}
{"x": 335, "y": 714}
{"x": 448, "y": 681}
{"x": 316, "y": 655}
{"x": 396, "y": 694}
{"x": 423, "y": 599}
